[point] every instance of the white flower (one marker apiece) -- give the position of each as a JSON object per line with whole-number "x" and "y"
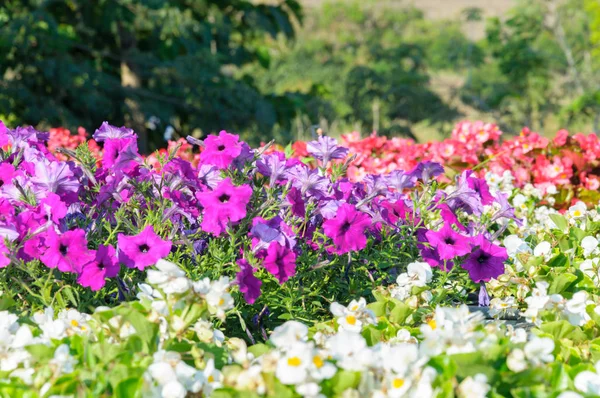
{"x": 353, "y": 316}
{"x": 309, "y": 390}
{"x": 75, "y": 321}
{"x": 173, "y": 389}
{"x": 213, "y": 378}
{"x": 569, "y": 394}
{"x": 500, "y": 306}
{"x": 289, "y": 334}
{"x": 420, "y": 273}
{"x": 474, "y": 387}
{"x": 575, "y": 309}
{"x": 578, "y": 210}
{"x": 519, "y": 202}
{"x": 543, "y": 249}
{"x": 516, "y": 361}
{"x": 539, "y": 350}
{"x": 589, "y": 245}
{"x": 350, "y": 350}
{"x": 63, "y": 360}
{"x": 589, "y": 382}
{"x": 518, "y": 335}
{"x": 515, "y": 245}
{"x": 292, "y": 368}
{"x": 320, "y": 368}
{"x": 397, "y": 385}
{"x": 168, "y": 277}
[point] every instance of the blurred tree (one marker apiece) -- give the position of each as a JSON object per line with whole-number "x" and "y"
{"x": 79, "y": 62}
{"x": 371, "y": 65}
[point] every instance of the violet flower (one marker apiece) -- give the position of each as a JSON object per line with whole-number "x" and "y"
{"x": 249, "y": 284}
{"x": 448, "y": 243}
{"x": 325, "y": 149}
{"x": 280, "y": 262}
{"x": 486, "y": 262}
{"x": 107, "y": 131}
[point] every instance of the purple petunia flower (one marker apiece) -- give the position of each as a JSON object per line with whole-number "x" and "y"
{"x": 272, "y": 166}
{"x": 221, "y": 151}
{"x": 67, "y": 252}
{"x": 55, "y": 177}
{"x": 484, "y": 297}
{"x": 226, "y": 204}
{"x": 486, "y": 262}
{"x": 264, "y": 232}
{"x": 107, "y": 132}
{"x": 295, "y": 202}
{"x": 448, "y": 243}
{"x": 449, "y": 217}
{"x": 249, "y": 284}
{"x": 209, "y": 175}
{"x": 426, "y": 170}
{"x": 309, "y": 182}
{"x": 400, "y": 180}
{"x": 347, "y": 229}
{"x": 481, "y": 187}
{"x": 280, "y": 262}
{"x": 325, "y": 149}
{"x": 142, "y": 250}
{"x": 105, "y": 265}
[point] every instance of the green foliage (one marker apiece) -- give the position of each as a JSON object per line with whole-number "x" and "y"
{"x": 81, "y": 62}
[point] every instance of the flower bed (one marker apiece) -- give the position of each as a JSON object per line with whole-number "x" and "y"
{"x": 241, "y": 272}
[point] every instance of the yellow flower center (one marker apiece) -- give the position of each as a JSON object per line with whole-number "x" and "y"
{"x": 74, "y": 323}
{"x": 222, "y": 301}
{"x": 398, "y": 383}
{"x": 432, "y": 324}
{"x": 354, "y": 308}
{"x": 294, "y": 361}
{"x": 318, "y": 361}
{"x": 351, "y": 319}
{"x": 577, "y": 213}
{"x": 211, "y": 378}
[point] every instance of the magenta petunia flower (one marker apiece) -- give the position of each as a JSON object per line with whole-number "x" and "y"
{"x": 221, "y": 150}
{"x": 3, "y": 135}
{"x": 448, "y": 243}
{"x": 142, "y": 250}
{"x": 226, "y": 204}
{"x": 52, "y": 208}
{"x": 121, "y": 154}
{"x": 295, "y": 202}
{"x": 67, "y": 252}
{"x": 7, "y": 172}
{"x": 280, "y": 262}
{"x": 105, "y": 265}
{"x": 347, "y": 229}
{"x": 481, "y": 187}
{"x": 4, "y": 259}
{"x": 487, "y": 261}
{"x": 249, "y": 284}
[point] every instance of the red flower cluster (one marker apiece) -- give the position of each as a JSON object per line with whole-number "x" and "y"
{"x": 571, "y": 163}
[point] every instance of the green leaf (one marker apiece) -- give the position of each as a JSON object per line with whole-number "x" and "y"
{"x": 344, "y": 380}
{"x": 562, "y": 329}
{"x": 129, "y": 388}
{"x": 399, "y": 312}
{"x": 378, "y": 307}
{"x": 561, "y": 283}
{"x": 259, "y": 349}
{"x": 560, "y": 221}
{"x": 559, "y": 261}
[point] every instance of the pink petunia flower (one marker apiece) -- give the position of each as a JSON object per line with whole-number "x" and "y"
{"x": 142, "y": 250}
{"x": 4, "y": 259}
{"x": 448, "y": 243}
{"x": 347, "y": 229}
{"x": 226, "y": 204}
{"x": 105, "y": 265}
{"x": 67, "y": 252}
{"x": 280, "y": 262}
{"x": 221, "y": 151}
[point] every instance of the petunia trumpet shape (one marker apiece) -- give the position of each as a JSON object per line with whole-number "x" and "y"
{"x": 142, "y": 250}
